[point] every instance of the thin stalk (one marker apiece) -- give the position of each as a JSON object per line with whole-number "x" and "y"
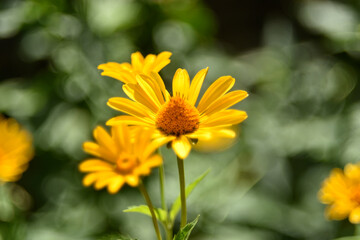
{"x": 162, "y": 187}
{"x": 151, "y": 207}
{"x": 180, "y": 163}
{"x": 167, "y": 225}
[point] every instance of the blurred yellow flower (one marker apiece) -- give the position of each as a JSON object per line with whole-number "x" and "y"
{"x": 341, "y": 190}
{"x": 216, "y": 144}
{"x": 175, "y": 118}
{"x": 15, "y": 150}
{"x": 127, "y": 72}
{"x": 122, "y": 157}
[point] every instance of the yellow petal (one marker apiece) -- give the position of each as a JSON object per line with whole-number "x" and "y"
{"x": 149, "y": 63}
{"x": 154, "y": 161}
{"x": 161, "y": 84}
{"x": 221, "y": 86}
{"x": 93, "y": 177}
{"x": 95, "y": 165}
{"x": 132, "y": 180}
{"x": 104, "y": 139}
{"x": 155, "y": 144}
{"x": 181, "y": 146}
{"x": 143, "y": 95}
{"x": 352, "y": 171}
{"x": 225, "y": 102}
{"x": 154, "y": 86}
{"x": 161, "y": 61}
{"x": 338, "y": 211}
{"x": 89, "y": 179}
{"x": 125, "y": 77}
{"x": 181, "y": 83}
{"x": 137, "y": 61}
{"x": 195, "y": 86}
{"x": 149, "y": 91}
{"x": 200, "y": 134}
{"x": 98, "y": 151}
{"x": 223, "y": 118}
{"x": 211, "y": 132}
{"x": 104, "y": 179}
{"x": 118, "y": 71}
{"x": 116, "y": 184}
{"x": 127, "y": 106}
{"x": 354, "y": 216}
{"x": 122, "y": 137}
{"x": 130, "y": 120}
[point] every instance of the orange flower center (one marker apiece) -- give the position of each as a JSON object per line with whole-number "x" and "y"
{"x": 126, "y": 163}
{"x": 177, "y": 117}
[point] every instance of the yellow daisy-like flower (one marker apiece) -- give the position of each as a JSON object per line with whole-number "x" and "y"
{"x": 127, "y": 72}
{"x": 176, "y": 118}
{"x": 15, "y": 150}
{"x": 341, "y": 190}
{"x": 122, "y": 157}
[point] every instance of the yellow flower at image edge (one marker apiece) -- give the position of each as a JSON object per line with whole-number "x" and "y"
{"x": 175, "y": 118}
{"x": 341, "y": 191}
{"x": 122, "y": 157}
{"x": 15, "y": 150}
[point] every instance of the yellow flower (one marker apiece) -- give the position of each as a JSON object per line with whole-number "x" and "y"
{"x": 127, "y": 72}
{"x": 122, "y": 157}
{"x": 341, "y": 190}
{"x": 175, "y": 118}
{"x": 15, "y": 150}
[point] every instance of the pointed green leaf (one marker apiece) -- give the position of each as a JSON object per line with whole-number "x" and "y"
{"x": 159, "y": 213}
{"x": 177, "y": 203}
{"x": 115, "y": 236}
{"x": 184, "y": 233}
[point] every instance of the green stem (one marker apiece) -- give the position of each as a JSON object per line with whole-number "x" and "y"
{"x": 151, "y": 208}
{"x": 162, "y": 187}
{"x": 180, "y": 163}
{"x": 168, "y": 224}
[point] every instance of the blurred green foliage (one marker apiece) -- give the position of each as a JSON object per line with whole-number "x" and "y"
{"x": 303, "y": 109}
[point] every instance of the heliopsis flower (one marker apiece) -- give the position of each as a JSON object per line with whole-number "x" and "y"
{"x": 119, "y": 158}
{"x": 15, "y": 150}
{"x": 176, "y": 118}
{"x": 341, "y": 191}
{"x": 127, "y": 72}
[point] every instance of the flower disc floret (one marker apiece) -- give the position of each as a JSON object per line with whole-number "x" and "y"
{"x": 177, "y": 117}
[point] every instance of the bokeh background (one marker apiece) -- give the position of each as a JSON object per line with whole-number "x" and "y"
{"x": 298, "y": 59}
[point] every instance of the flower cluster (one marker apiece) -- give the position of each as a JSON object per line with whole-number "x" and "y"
{"x": 169, "y": 118}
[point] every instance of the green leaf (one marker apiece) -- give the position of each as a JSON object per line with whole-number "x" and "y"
{"x": 115, "y": 236}
{"x": 159, "y": 213}
{"x": 184, "y": 233}
{"x": 177, "y": 203}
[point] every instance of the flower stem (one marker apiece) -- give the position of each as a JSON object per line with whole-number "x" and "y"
{"x": 151, "y": 208}
{"x": 162, "y": 187}
{"x": 180, "y": 163}
{"x": 167, "y": 225}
